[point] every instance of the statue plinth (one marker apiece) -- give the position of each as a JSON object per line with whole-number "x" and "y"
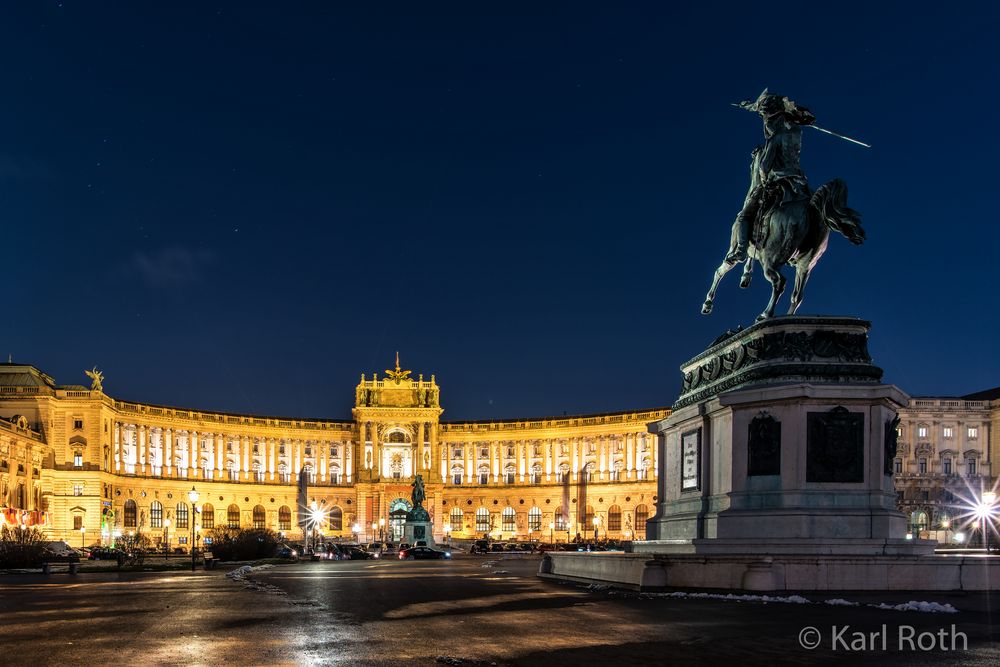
{"x": 781, "y": 442}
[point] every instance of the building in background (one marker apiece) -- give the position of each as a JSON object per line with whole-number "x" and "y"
{"x": 103, "y": 466}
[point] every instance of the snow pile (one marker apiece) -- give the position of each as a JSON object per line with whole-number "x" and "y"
{"x": 243, "y": 574}
{"x": 451, "y": 660}
{"x": 841, "y": 602}
{"x": 731, "y": 597}
{"x": 914, "y": 605}
{"x": 490, "y": 563}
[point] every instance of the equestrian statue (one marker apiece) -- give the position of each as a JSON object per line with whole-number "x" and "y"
{"x": 782, "y": 220}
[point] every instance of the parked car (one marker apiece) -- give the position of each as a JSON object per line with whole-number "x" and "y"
{"x": 103, "y": 553}
{"x": 423, "y": 553}
{"x": 480, "y": 547}
{"x": 286, "y": 551}
{"x": 59, "y": 552}
{"x": 497, "y": 548}
{"x": 357, "y": 553}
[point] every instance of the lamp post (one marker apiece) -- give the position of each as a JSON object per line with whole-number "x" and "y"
{"x": 374, "y": 531}
{"x": 166, "y": 537}
{"x": 193, "y": 497}
{"x": 596, "y": 522}
{"x": 357, "y": 532}
{"x": 987, "y": 500}
{"x": 552, "y": 532}
{"x": 83, "y": 537}
{"x": 447, "y": 530}
{"x": 381, "y": 529}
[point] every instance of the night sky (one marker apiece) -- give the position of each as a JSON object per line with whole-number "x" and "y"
{"x": 243, "y": 207}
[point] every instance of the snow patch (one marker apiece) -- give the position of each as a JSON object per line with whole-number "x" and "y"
{"x": 922, "y": 606}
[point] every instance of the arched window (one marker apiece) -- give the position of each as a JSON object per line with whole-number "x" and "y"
{"x": 181, "y": 513}
{"x": 259, "y": 517}
{"x": 233, "y": 516}
{"x": 207, "y": 516}
{"x": 129, "y": 521}
{"x": 534, "y": 519}
{"x": 155, "y": 515}
{"x": 396, "y": 437}
{"x": 641, "y": 516}
{"x": 284, "y": 518}
{"x": 336, "y": 518}
{"x": 457, "y": 519}
{"x": 456, "y": 474}
{"x": 482, "y": 520}
{"x": 507, "y": 523}
{"x": 560, "y": 520}
{"x": 508, "y": 474}
{"x": 588, "y": 518}
{"x": 614, "y": 519}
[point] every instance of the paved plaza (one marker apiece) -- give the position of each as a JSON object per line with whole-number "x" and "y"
{"x": 466, "y": 611}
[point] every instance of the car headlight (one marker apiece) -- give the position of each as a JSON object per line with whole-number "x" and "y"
{"x": 447, "y": 554}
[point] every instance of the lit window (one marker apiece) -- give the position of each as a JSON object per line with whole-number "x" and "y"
{"x": 78, "y": 489}
{"x": 949, "y": 432}
{"x": 921, "y": 431}
{"x": 482, "y": 520}
{"x": 973, "y": 433}
{"x": 77, "y": 460}
{"x": 182, "y": 539}
{"x": 456, "y": 478}
{"x": 181, "y": 515}
{"x": 457, "y": 519}
{"x": 534, "y": 519}
{"x": 77, "y": 522}
{"x": 284, "y": 518}
{"x": 507, "y": 521}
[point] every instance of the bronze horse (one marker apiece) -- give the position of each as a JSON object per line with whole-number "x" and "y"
{"x": 794, "y": 233}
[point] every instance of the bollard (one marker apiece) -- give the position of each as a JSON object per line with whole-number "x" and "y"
{"x": 46, "y": 568}
{"x": 73, "y": 567}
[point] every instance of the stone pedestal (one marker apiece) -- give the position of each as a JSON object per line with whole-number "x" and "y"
{"x": 778, "y": 445}
{"x": 418, "y": 530}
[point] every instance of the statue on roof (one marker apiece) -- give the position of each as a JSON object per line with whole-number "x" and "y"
{"x": 397, "y": 375}
{"x": 96, "y": 378}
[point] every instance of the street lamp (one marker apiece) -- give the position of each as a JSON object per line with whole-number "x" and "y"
{"x": 357, "y": 531}
{"x": 193, "y": 497}
{"x": 552, "y": 532}
{"x": 596, "y": 522}
{"x": 166, "y": 537}
{"x": 83, "y": 538}
{"x": 374, "y": 529}
{"x": 447, "y": 529}
{"x": 985, "y": 512}
{"x": 381, "y": 529}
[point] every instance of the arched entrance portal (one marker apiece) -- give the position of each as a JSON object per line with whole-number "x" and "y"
{"x": 397, "y": 518}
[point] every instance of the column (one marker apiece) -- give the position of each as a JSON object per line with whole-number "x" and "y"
{"x": 629, "y": 456}
{"x": 574, "y": 466}
{"x": 141, "y": 437}
{"x": 220, "y": 453}
{"x": 271, "y": 452}
{"x": 602, "y": 461}
{"x": 245, "y": 456}
{"x": 348, "y": 459}
{"x": 547, "y": 454}
{"x": 193, "y": 461}
{"x": 168, "y": 450}
{"x": 118, "y": 446}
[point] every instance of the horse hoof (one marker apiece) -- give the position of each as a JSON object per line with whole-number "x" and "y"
{"x": 706, "y": 308}
{"x": 745, "y": 282}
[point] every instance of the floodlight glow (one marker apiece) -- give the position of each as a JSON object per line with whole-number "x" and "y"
{"x": 959, "y": 537}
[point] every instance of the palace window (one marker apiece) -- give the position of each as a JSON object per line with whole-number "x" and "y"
{"x": 484, "y": 452}
{"x": 507, "y": 523}
{"x": 256, "y": 448}
{"x": 284, "y": 518}
{"x": 207, "y": 516}
{"x": 457, "y": 454}
{"x": 564, "y": 449}
{"x": 973, "y": 433}
{"x": 946, "y": 466}
{"x": 536, "y": 450}
{"x": 614, "y": 518}
{"x": 309, "y": 450}
{"x": 333, "y": 452}
{"x": 510, "y": 451}
{"x": 560, "y": 521}
{"x": 182, "y": 539}
{"x": 77, "y": 460}
{"x": 457, "y": 519}
{"x": 922, "y": 466}
{"x": 897, "y": 466}
{"x": 588, "y": 518}
{"x": 259, "y": 518}
{"x": 592, "y": 447}
{"x": 155, "y": 515}
{"x": 618, "y": 446}
{"x": 78, "y": 489}
{"x": 482, "y": 520}
{"x": 456, "y": 478}
{"x": 281, "y": 450}
{"x": 641, "y": 516}
{"x": 77, "y": 522}
{"x": 508, "y": 478}
{"x": 484, "y": 478}
{"x": 921, "y": 431}
{"x": 534, "y": 520}
{"x": 181, "y": 514}
{"x": 970, "y": 467}
{"x": 78, "y": 424}
{"x": 949, "y": 432}
{"x": 233, "y": 516}
{"x": 130, "y": 514}
{"x": 336, "y": 519}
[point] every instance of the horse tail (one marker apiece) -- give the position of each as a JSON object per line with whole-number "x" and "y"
{"x": 829, "y": 204}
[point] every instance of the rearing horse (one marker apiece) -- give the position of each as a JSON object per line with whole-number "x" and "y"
{"x": 795, "y": 233}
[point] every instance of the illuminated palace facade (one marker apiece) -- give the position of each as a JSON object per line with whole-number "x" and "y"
{"x": 85, "y": 465}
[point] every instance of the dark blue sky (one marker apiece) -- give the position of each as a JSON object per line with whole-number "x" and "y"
{"x": 244, "y": 207}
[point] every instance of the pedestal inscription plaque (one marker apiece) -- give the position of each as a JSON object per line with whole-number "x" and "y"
{"x": 764, "y": 446}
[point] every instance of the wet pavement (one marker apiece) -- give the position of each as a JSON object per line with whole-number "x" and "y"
{"x": 442, "y": 612}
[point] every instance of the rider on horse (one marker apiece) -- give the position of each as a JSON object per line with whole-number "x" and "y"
{"x": 776, "y": 175}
